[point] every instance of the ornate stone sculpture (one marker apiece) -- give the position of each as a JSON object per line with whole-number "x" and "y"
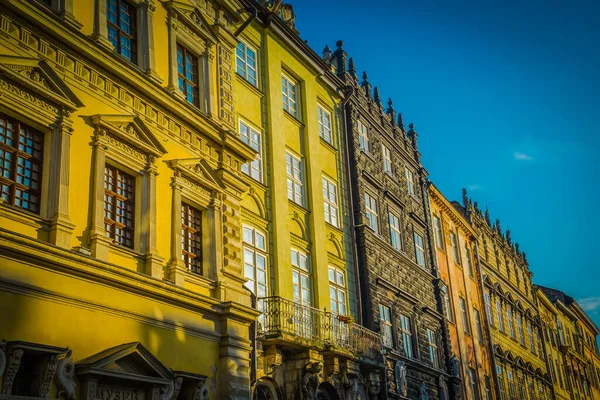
{"x": 65, "y": 371}
{"x": 310, "y": 381}
{"x": 350, "y": 384}
{"x": 401, "y": 383}
{"x": 11, "y": 371}
{"x": 423, "y": 395}
{"x": 454, "y": 366}
{"x": 443, "y": 389}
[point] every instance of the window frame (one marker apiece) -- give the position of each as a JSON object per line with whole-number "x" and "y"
{"x": 387, "y": 159}
{"x": 395, "y": 231}
{"x": 433, "y": 348}
{"x": 447, "y": 302}
{"x": 500, "y": 314}
{"x": 407, "y": 336}
{"x": 455, "y": 248}
{"x": 287, "y": 98}
{"x": 464, "y": 314}
{"x": 487, "y": 302}
{"x": 371, "y": 214}
{"x": 251, "y": 165}
{"x": 323, "y": 112}
{"x": 363, "y": 137}
{"x": 253, "y": 246}
{"x": 410, "y": 181}
{"x": 439, "y": 233}
{"x": 132, "y": 37}
{"x": 509, "y": 318}
{"x": 295, "y": 182}
{"x": 302, "y": 272}
{"x": 387, "y": 326}
{"x": 338, "y": 288}
{"x": 195, "y": 69}
{"x": 245, "y": 75}
{"x": 479, "y": 325}
{"x": 187, "y": 248}
{"x": 331, "y": 207}
{"x": 111, "y": 225}
{"x": 420, "y": 250}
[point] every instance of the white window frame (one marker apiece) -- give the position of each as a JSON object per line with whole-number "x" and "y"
{"x": 338, "y": 294}
{"x": 500, "y": 315}
{"x": 247, "y": 72}
{"x": 487, "y": 301}
{"x": 325, "y": 127}
{"x": 253, "y": 169}
{"x": 502, "y": 386}
{"x": 252, "y": 247}
{"x": 330, "y": 200}
{"x": 363, "y": 137}
{"x": 455, "y": 248}
{"x": 406, "y": 331}
{"x": 410, "y": 181}
{"x": 433, "y": 348}
{"x": 385, "y": 318}
{"x": 295, "y": 178}
{"x": 395, "y": 231}
{"x": 301, "y": 272}
{"x": 465, "y": 314}
{"x": 473, "y": 383}
{"x": 387, "y": 159}
{"x": 531, "y": 340}
{"x": 371, "y": 211}
{"x": 289, "y": 92}
{"x": 469, "y": 262}
{"x": 439, "y": 233}
{"x": 447, "y": 303}
{"x": 479, "y": 325}
{"x": 509, "y": 316}
{"x": 419, "y": 250}
{"x": 512, "y": 389}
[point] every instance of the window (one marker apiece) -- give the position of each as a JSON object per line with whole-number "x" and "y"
{"x": 512, "y": 390}
{"x": 191, "y": 238}
{"x": 559, "y": 373}
{"x": 478, "y": 325}
{"x": 395, "y": 237}
{"x": 387, "y": 159}
{"x": 324, "y": 118}
{"x": 253, "y": 138}
{"x": 406, "y": 331}
{"x": 488, "y": 388}
{"x": 531, "y": 339}
{"x": 330, "y": 197}
{"x": 522, "y": 391}
{"x": 488, "y": 307}
{"x": 469, "y": 262}
{"x": 121, "y": 24}
{"x": 290, "y": 95}
{"x": 454, "y": 243}
{"x": 245, "y": 62}
{"x": 301, "y": 278}
{"x": 447, "y": 304}
{"x": 499, "y": 313}
{"x": 410, "y": 181}
{"x": 501, "y": 384}
{"x": 473, "y": 384}
{"x": 509, "y": 317}
{"x": 21, "y": 150}
{"x": 255, "y": 261}
{"x": 539, "y": 342}
{"x": 439, "y": 234}
{"x": 419, "y": 250}
{"x": 337, "y": 291}
{"x": 433, "y": 349}
{"x": 294, "y": 178}
{"x": 386, "y": 325}
{"x": 465, "y": 315}
{"x": 363, "y": 137}
{"x": 520, "y": 330}
{"x": 187, "y": 74}
{"x": 531, "y": 390}
{"x": 371, "y": 211}
{"x": 119, "y": 205}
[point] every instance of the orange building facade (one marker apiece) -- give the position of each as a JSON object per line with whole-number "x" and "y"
{"x": 461, "y": 294}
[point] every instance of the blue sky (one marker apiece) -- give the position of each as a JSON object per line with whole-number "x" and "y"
{"x": 505, "y": 96}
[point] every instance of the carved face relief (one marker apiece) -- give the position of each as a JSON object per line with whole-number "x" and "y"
{"x": 65, "y": 372}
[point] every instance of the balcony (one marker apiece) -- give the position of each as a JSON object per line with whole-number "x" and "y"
{"x": 291, "y": 322}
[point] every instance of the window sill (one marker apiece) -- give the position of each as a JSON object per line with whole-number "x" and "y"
{"x": 367, "y": 154}
{"x": 328, "y": 145}
{"x": 293, "y": 119}
{"x": 17, "y": 214}
{"x": 199, "y": 280}
{"x": 250, "y": 86}
{"x": 333, "y": 227}
{"x": 125, "y": 251}
{"x": 297, "y": 206}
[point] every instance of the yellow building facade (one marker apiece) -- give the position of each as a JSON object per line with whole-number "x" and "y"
{"x": 462, "y": 295}
{"x": 120, "y": 222}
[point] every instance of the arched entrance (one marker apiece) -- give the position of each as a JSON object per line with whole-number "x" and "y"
{"x": 266, "y": 389}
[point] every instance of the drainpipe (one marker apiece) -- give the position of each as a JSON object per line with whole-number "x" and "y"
{"x": 347, "y": 133}
{"x": 487, "y": 323}
{"x": 253, "y": 14}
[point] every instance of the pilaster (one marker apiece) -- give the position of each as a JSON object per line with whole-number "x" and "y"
{"x": 100, "y": 34}
{"x": 153, "y": 261}
{"x": 99, "y": 242}
{"x": 176, "y": 268}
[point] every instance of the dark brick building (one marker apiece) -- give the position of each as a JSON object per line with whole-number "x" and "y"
{"x": 390, "y": 209}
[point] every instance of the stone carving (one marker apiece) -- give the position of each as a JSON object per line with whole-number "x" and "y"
{"x": 350, "y": 385}
{"x": 11, "y": 371}
{"x": 390, "y": 377}
{"x": 63, "y": 378}
{"x": 454, "y": 366}
{"x": 48, "y": 376}
{"x": 8, "y": 87}
{"x": 373, "y": 391}
{"x": 400, "y": 375}
{"x": 288, "y": 16}
{"x": 167, "y": 392}
{"x": 310, "y": 381}
{"x": 423, "y": 395}
{"x": 443, "y": 389}
{"x": 2, "y": 357}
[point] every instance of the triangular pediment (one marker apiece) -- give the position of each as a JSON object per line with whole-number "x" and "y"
{"x": 127, "y": 361}
{"x": 199, "y": 170}
{"x": 132, "y": 130}
{"x": 36, "y": 75}
{"x": 195, "y": 18}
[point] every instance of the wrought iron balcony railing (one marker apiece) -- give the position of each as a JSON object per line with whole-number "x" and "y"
{"x": 301, "y": 323}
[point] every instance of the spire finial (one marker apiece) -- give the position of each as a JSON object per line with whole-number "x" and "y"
{"x": 327, "y": 55}
{"x": 465, "y": 198}
{"x": 366, "y": 85}
{"x": 508, "y": 238}
{"x": 339, "y": 44}
{"x": 487, "y": 216}
{"x": 390, "y": 111}
{"x": 498, "y": 228}
{"x": 400, "y": 121}
{"x": 352, "y": 70}
{"x": 377, "y": 98}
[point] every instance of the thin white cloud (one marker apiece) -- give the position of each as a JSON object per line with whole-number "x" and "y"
{"x": 522, "y": 156}
{"x": 474, "y": 187}
{"x": 590, "y": 303}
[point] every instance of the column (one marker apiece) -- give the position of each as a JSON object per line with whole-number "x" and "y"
{"x": 99, "y": 242}
{"x": 176, "y": 268}
{"x": 100, "y": 34}
{"x": 153, "y": 260}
